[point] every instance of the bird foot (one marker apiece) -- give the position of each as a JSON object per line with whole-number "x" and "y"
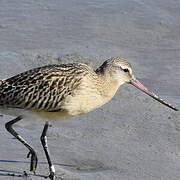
{"x": 52, "y": 176}
{"x": 34, "y": 161}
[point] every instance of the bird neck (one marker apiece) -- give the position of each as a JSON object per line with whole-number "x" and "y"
{"x": 109, "y": 85}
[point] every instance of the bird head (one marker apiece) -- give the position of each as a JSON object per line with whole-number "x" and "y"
{"x": 120, "y": 70}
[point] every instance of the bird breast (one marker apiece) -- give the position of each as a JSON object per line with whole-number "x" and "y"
{"x": 90, "y": 95}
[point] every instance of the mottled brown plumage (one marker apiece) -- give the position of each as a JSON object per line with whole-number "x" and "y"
{"x": 63, "y": 91}
{"x": 43, "y": 88}
{"x": 71, "y": 88}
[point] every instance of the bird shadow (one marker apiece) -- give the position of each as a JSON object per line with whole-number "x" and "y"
{"x": 79, "y": 166}
{"x": 24, "y": 174}
{"x": 12, "y": 173}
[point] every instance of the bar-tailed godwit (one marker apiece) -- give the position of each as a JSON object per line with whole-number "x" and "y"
{"x": 63, "y": 91}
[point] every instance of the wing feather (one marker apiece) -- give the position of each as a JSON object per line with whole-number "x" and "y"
{"x": 43, "y": 88}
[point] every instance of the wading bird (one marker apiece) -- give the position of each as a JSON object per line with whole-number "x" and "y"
{"x": 63, "y": 91}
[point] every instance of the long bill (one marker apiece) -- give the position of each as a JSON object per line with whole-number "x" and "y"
{"x": 140, "y": 86}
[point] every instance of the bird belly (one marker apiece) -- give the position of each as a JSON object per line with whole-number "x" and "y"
{"x": 50, "y": 116}
{"x": 12, "y": 111}
{"x": 35, "y": 114}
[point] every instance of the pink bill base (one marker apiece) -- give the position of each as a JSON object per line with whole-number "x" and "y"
{"x": 140, "y": 86}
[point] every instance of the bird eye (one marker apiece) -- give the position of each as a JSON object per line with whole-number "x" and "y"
{"x": 126, "y": 70}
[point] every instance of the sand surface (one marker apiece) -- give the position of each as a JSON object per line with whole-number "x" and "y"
{"x": 130, "y": 138}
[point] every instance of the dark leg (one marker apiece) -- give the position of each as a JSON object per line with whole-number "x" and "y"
{"x": 45, "y": 147}
{"x": 9, "y": 128}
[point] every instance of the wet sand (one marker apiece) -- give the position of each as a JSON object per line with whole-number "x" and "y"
{"x": 130, "y": 138}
